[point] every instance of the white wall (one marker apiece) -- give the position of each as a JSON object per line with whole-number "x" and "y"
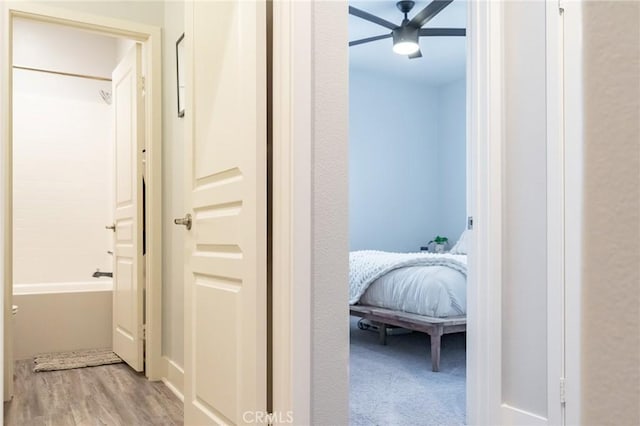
{"x": 61, "y": 187}
{"x": 407, "y": 161}
{"x": 59, "y": 48}
{"x": 611, "y": 257}
{"x": 62, "y": 155}
{"x": 524, "y": 296}
{"x": 452, "y": 160}
{"x": 173, "y": 185}
{"x": 150, "y": 12}
{"x": 393, "y": 163}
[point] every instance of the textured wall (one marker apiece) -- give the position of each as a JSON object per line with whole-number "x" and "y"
{"x": 611, "y": 287}
{"x": 330, "y": 242}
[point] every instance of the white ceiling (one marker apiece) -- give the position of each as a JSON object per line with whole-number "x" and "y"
{"x": 443, "y": 58}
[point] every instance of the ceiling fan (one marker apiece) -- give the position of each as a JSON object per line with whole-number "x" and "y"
{"x": 405, "y": 36}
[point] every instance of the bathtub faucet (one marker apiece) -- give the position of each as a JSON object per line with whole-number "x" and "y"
{"x": 98, "y": 274}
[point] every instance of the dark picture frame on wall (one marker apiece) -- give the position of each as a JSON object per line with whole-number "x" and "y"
{"x": 180, "y": 77}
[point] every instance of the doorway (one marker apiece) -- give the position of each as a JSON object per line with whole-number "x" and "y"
{"x": 409, "y": 254}
{"x": 63, "y": 184}
{"x": 148, "y": 40}
{"x": 323, "y": 154}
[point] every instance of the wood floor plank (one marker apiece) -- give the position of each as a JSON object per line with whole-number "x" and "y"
{"x": 94, "y": 396}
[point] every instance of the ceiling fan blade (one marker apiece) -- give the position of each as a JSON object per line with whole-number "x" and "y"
{"x": 369, "y": 39}
{"x": 371, "y": 18}
{"x": 443, "y": 32}
{"x": 426, "y": 14}
{"x": 418, "y": 54}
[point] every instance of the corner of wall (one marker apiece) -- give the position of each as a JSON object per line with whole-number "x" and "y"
{"x": 173, "y": 377}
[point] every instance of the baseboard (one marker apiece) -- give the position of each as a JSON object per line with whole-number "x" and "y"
{"x": 516, "y": 416}
{"x": 173, "y": 377}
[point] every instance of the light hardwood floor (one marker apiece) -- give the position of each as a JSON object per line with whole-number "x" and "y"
{"x": 105, "y": 395}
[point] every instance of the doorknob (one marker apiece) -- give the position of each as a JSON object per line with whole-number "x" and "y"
{"x": 186, "y": 221}
{"x": 112, "y": 227}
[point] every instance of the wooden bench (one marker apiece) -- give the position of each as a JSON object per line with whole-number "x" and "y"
{"x": 434, "y": 327}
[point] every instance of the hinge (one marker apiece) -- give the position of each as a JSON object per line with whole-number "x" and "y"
{"x": 470, "y": 222}
{"x": 143, "y": 83}
{"x": 560, "y": 7}
{"x": 563, "y": 391}
{"x": 143, "y": 331}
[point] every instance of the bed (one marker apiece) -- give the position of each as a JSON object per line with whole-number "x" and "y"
{"x": 425, "y": 292}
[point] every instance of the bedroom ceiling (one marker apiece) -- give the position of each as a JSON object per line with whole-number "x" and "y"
{"x": 444, "y": 57}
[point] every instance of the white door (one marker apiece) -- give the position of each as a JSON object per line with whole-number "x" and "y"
{"x": 225, "y": 193}
{"x": 128, "y": 283}
{"x": 531, "y": 369}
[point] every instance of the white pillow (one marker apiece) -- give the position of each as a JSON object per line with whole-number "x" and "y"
{"x": 461, "y": 245}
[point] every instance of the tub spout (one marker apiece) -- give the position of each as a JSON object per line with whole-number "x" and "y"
{"x": 98, "y": 274}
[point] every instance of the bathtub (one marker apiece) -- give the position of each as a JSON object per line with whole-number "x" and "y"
{"x": 101, "y": 284}
{"x": 57, "y": 317}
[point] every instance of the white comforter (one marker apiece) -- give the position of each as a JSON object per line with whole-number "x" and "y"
{"x": 421, "y": 283}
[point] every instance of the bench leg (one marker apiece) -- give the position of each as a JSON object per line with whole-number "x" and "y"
{"x": 436, "y": 338}
{"x": 382, "y": 336}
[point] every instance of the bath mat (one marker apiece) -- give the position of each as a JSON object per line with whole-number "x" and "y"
{"x": 75, "y": 359}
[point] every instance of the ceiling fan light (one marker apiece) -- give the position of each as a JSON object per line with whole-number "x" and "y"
{"x": 405, "y": 48}
{"x": 405, "y": 40}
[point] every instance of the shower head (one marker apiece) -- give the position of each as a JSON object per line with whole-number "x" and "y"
{"x": 106, "y": 96}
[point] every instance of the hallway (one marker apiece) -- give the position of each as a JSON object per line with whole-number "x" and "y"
{"x": 105, "y": 395}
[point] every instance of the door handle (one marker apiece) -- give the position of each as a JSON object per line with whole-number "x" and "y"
{"x": 112, "y": 227}
{"x": 186, "y": 221}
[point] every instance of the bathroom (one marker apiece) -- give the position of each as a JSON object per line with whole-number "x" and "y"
{"x": 63, "y": 187}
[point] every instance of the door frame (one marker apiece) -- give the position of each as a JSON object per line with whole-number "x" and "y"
{"x": 295, "y": 56}
{"x": 571, "y": 104}
{"x": 295, "y": 27}
{"x": 150, "y": 38}
{"x": 485, "y": 165}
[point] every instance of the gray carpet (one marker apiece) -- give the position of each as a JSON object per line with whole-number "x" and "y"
{"x": 394, "y": 384}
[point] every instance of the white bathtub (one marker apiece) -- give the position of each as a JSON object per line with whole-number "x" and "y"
{"x": 101, "y": 284}
{"x": 57, "y": 317}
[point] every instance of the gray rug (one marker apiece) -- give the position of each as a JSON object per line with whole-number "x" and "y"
{"x": 394, "y": 384}
{"x": 75, "y": 359}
